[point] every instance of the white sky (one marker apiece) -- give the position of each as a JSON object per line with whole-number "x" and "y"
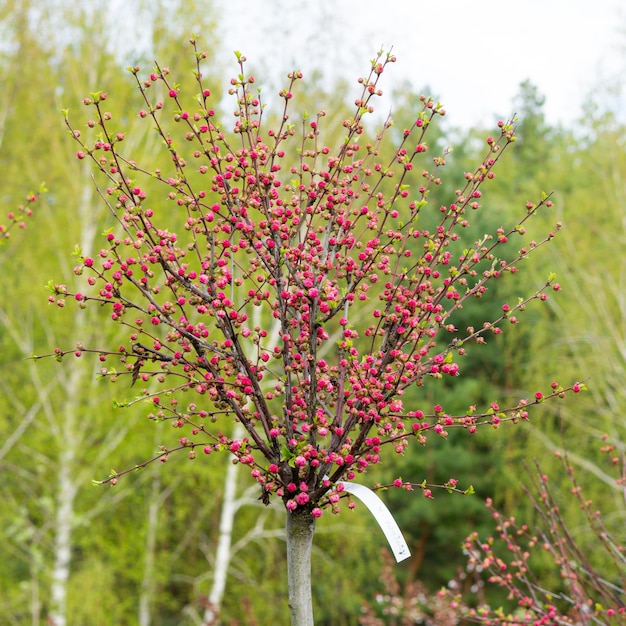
{"x": 472, "y": 54}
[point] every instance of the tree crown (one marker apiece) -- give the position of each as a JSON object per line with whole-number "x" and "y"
{"x": 290, "y": 285}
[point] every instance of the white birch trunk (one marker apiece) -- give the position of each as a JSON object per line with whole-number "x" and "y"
{"x": 35, "y": 601}
{"x": 71, "y": 430}
{"x": 225, "y": 540}
{"x": 66, "y": 495}
{"x": 147, "y": 583}
{"x": 300, "y": 529}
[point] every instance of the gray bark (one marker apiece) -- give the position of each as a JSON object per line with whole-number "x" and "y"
{"x": 300, "y": 529}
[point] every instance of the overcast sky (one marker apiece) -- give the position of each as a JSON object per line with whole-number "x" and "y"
{"x": 472, "y": 54}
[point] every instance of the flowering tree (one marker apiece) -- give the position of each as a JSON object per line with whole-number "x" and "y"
{"x": 513, "y": 557}
{"x": 268, "y": 279}
{"x": 509, "y": 558}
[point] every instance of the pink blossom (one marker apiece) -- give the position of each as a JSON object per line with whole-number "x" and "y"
{"x": 302, "y": 498}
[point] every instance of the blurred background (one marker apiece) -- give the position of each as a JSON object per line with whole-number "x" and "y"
{"x": 147, "y": 551}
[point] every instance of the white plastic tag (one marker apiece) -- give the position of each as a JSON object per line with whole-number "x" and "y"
{"x": 384, "y": 518}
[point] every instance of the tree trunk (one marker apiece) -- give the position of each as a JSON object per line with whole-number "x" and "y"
{"x": 146, "y": 596}
{"x": 300, "y": 529}
{"x": 224, "y": 543}
{"x": 62, "y": 538}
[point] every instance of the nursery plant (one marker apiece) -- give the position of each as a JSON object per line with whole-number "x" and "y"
{"x": 295, "y": 287}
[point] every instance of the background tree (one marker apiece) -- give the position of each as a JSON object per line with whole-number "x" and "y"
{"x": 434, "y": 532}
